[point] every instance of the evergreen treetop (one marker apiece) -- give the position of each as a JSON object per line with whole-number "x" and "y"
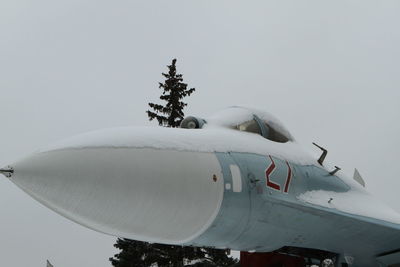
{"x": 174, "y": 89}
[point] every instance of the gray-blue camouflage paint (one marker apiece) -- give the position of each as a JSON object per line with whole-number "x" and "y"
{"x": 262, "y": 219}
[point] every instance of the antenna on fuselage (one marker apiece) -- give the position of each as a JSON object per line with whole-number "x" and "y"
{"x": 335, "y": 170}
{"x": 7, "y": 171}
{"x": 323, "y": 155}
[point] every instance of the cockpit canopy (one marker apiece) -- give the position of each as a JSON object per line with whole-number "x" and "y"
{"x": 244, "y": 119}
{"x": 260, "y": 127}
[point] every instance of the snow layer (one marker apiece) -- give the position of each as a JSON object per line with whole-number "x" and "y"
{"x": 201, "y": 140}
{"x": 216, "y": 136}
{"x": 357, "y": 202}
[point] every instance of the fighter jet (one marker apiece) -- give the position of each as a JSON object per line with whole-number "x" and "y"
{"x": 235, "y": 180}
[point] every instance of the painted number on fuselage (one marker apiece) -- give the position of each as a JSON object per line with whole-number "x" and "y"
{"x": 274, "y": 185}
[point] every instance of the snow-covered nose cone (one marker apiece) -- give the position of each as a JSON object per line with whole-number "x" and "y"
{"x": 147, "y": 194}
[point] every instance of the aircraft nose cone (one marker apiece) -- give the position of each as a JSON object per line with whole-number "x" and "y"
{"x": 154, "y": 195}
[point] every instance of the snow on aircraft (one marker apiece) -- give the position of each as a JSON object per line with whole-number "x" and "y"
{"x": 236, "y": 180}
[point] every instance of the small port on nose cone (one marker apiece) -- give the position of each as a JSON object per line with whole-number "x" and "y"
{"x": 7, "y": 171}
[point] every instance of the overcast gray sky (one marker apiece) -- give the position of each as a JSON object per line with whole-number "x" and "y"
{"x": 328, "y": 69}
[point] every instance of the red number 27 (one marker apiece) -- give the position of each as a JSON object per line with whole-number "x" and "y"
{"x": 276, "y": 186}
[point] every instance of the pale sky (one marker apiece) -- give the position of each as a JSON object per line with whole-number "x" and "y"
{"x": 328, "y": 69}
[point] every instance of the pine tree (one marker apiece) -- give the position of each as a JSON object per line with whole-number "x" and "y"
{"x": 174, "y": 89}
{"x": 142, "y": 254}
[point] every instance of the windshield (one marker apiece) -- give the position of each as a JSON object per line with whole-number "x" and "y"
{"x": 253, "y": 121}
{"x": 249, "y": 126}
